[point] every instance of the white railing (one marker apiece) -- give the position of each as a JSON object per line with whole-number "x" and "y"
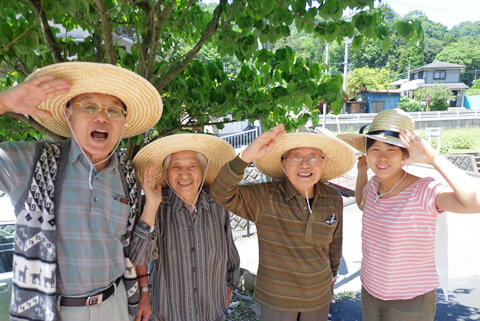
{"x": 417, "y": 116}
{"x": 241, "y": 139}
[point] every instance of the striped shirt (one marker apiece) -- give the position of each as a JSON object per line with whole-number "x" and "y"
{"x": 398, "y": 240}
{"x": 195, "y": 259}
{"x": 91, "y": 223}
{"x": 299, "y": 252}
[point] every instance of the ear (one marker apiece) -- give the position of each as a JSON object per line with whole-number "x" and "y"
{"x": 68, "y": 113}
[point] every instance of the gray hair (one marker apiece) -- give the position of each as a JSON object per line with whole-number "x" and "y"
{"x": 201, "y": 158}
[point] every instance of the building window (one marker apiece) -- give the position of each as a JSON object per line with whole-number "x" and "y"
{"x": 420, "y": 75}
{"x": 439, "y": 74}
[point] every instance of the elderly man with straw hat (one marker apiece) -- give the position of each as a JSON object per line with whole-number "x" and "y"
{"x": 76, "y": 200}
{"x": 298, "y": 218}
{"x": 183, "y": 231}
{"x": 403, "y": 230}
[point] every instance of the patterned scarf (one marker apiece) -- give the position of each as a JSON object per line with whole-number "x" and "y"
{"x": 34, "y": 286}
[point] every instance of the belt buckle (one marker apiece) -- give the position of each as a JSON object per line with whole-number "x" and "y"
{"x": 95, "y": 299}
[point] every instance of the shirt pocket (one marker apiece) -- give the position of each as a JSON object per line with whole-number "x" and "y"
{"x": 118, "y": 218}
{"x": 112, "y": 216}
{"x": 323, "y": 229}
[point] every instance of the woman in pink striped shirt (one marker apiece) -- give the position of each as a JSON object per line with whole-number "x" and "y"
{"x": 399, "y": 275}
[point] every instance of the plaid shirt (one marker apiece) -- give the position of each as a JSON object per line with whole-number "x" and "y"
{"x": 91, "y": 223}
{"x": 299, "y": 252}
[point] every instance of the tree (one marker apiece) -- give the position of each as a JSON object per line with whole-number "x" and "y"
{"x": 365, "y": 78}
{"x": 439, "y": 94}
{"x": 466, "y": 52}
{"x": 269, "y": 86}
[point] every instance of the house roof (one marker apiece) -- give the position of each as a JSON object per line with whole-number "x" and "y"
{"x": 450, "y": 85}
{"x": 440, "y": 65}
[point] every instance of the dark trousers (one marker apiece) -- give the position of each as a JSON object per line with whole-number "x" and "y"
{"x": 420, "y": 308}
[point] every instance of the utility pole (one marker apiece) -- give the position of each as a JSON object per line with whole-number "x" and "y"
{"x": 324, "y": 104}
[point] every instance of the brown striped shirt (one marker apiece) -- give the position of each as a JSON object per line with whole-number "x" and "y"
{"x": 195, "y": 259}
{"x": 299, "y": 252}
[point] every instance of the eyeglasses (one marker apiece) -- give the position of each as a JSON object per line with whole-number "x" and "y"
{"x": 311, "y": 160}
{"x": 93, "y": 108}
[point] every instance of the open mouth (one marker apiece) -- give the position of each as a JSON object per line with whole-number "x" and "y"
{"x": 99, "y": 135}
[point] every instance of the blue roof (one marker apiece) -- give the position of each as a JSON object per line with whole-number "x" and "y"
{"x": 472, "y": 102}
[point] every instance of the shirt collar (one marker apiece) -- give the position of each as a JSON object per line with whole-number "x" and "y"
{"x": 178, "y": 204}
{"x": 76, "y": 154}
{"x": 319, "y": 190}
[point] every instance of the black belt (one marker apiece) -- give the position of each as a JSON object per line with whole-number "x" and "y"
{"x": 90, "y": 300}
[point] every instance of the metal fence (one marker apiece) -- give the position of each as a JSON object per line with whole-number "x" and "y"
{"x": 242, "y": 139}
{"x": 417, "y": 116}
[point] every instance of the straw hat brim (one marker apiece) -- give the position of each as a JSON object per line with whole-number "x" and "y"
{"x": 357, "y": 141}
{"x": 216, "y": 150}
{"x": 142, "y": 100}
{"x": 340, "y": 157}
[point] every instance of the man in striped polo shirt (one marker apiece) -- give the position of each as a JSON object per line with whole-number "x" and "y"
{"x": 298, "y": 218}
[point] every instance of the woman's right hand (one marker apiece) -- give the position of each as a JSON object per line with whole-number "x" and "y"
{"x": 153, "y": 192}
{"x": 362, "y": 165}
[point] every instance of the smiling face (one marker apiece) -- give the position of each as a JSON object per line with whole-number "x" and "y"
{"x": 304, "y": 176}
{"x": 385, "y": 160}
{"x": 185, "y": 174}
{"x": 97, "y": 133}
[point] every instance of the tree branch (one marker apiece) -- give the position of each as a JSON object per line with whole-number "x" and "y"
{"x": 107, "y": 32}
{"x": 55, "y": 49}
{"x": 208, "y": 33}
{"x": 35, "y": 125}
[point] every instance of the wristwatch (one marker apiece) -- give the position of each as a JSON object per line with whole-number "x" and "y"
{"x": 145, "y": 288}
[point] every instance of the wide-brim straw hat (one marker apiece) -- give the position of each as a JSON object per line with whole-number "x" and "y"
{"x": 340, "y": 157}
{"x": 216, "y": 150}
{"x": 142, "y": 100}
{"x": 385, "y": 127}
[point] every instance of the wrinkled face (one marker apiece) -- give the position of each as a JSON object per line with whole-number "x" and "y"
{"x": 305, "y": 173}
{"x": 97, "y": 133}
{"x": 385, "y": 160}
{"x": 185, "y": 174}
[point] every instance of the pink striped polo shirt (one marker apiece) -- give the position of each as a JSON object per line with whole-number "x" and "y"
{"x": 398, "y": 240}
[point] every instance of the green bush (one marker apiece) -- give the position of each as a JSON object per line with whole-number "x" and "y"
{"x": 409, "y": 105}
{"x": 461, "y": 143}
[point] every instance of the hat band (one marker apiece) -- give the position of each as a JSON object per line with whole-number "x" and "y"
{"x": 385, "y": 132}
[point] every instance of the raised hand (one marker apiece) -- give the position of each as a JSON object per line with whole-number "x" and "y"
{"x": 420, "y": 151}
{"x": 362, "y": 165}
{"x": 153, "y": 192}
{"x": 262, "y": 145}
{"x": 25, "y": 97}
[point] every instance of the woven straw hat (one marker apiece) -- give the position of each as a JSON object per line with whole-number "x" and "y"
{"x": 340, "y": 157}
{"x": 216, "y": 150}
{"x": 385, "y": 127}
{"x": 143, "y": 102}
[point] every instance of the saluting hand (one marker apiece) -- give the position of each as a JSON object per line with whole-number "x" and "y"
{"x": 262, "y": 145}
{"x": 420, "y": 151}
{"x": 25, "y": 97}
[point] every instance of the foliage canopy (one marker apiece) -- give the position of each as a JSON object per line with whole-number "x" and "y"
{"x": 166, "y": 38}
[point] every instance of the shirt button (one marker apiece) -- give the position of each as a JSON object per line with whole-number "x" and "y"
{"x": 192, "y": 249}
{"x": 195, "y": 290}
{"x": 96, "y": 199}
{"x": 304, "y": 207}
{"x": 194, "y": 270}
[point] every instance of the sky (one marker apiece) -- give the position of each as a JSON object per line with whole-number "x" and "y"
{"x": 447, "y": 12}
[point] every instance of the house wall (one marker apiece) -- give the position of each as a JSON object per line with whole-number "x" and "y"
{"x": 450, "y": 76}
{"x": 391, "y": 100}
